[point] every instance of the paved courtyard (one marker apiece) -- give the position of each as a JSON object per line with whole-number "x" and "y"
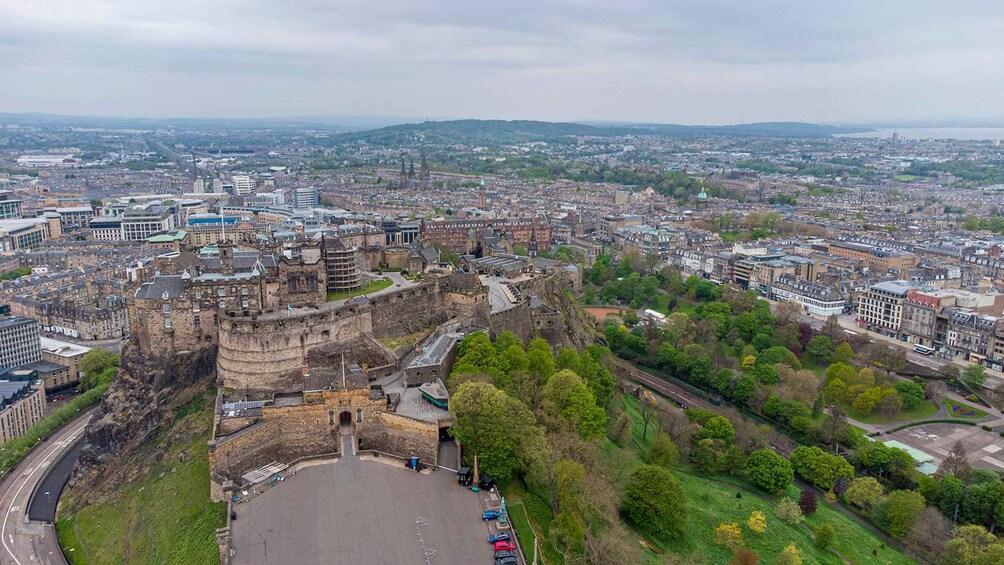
{"x": 361, "y": 512}
{"x": 984, "y": 449}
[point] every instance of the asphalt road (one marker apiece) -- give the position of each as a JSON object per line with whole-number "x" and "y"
{"x": 25, "y": 542}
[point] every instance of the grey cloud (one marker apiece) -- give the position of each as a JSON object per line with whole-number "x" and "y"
{"x": 690, "y": 61}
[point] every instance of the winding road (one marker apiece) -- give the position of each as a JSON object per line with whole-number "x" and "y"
{"x": 24, "y": 542}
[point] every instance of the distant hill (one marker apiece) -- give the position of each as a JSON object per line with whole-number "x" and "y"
{"x": 522, "y": 131}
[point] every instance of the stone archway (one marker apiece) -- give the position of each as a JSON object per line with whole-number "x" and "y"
{"x": 345, "y": 418}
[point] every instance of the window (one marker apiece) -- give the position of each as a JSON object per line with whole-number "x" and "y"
{"x": 167, "y": 308}
{"x": 359, "y": 414}
{"x": 167, "y": 323}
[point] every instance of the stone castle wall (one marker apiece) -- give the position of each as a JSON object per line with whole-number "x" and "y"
{"x": 255, "y": 353}
{"x": 398, "y": 435}
{"x": 515, "y": 319}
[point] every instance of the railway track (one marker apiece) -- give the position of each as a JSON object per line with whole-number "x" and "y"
{"x": 779, "y": 443}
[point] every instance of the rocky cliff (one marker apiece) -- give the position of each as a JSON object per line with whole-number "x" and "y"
{"x": 145, "y": 397}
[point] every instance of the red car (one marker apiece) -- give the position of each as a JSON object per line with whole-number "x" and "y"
{"x": 504, "y": 545}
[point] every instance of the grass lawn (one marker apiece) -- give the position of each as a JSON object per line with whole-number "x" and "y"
{"x": 163, "y": 517}
{"x": 520, "y": 505}
{"x": 854, "y": 541}
{"x": 925, "y": 410}
{"x": 712, "y": 501}
{"x": 960, "y": 410}
{"x": 366, "y": 288}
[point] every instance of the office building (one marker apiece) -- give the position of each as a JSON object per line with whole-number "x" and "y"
{"x": 243, "y": 184}
{"x": 305, "y": 198}
{"x": 10, "y": 206}
{"x": 19, "y": 342}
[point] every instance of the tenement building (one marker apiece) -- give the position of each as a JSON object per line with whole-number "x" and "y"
{"x": 880, "y": 308}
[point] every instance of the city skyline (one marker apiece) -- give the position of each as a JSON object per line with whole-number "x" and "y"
{"x": 720, "y": 63}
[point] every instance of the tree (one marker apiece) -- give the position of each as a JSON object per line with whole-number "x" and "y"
{"x": 729, "y": 535}
{"x": 768, "y": 470}
{"x": 973, "y": 376}
{"x": 491, "y": 425}
{"x": 565, "y": 395}
{"x": 820, "y": 348}
{"x": 663, "y": 452}
{"x": 974, "y": 545}
{"x": 718, "y": 428}
{"x": 787, "y": 511}
{"x": 540, "y": 359}
{"x": 807, "y": 502}
{"x": 655, "y": 502}
{"x": 864, "y": 492}
{"x": 956, "y": 463}
{"x": 902, "y": 508}
{"x": 97, "y": 366}
{"x": 825, "y": 536}
{"x": 757, "y": 522}
{"x": 843, "y": 353}
{"x": 911, "y": 393}
{"x": 786, "y": 313}
{"x": 820, "y": 468}
{"x": 790, "y": 555}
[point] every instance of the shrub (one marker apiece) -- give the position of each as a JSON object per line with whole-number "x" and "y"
{"x": 729, "y": 535}
{"x": 787, "y": 511}
{"x": 824, "y": 536}
{"x": 807, "y": 502}
{"x": 757, "y": 522}
{"x": 768, "y": 470}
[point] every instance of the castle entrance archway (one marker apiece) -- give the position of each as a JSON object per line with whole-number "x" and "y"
{"x": 345, "y": 418}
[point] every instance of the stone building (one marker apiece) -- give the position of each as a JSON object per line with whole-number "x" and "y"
{"x": 456, "y": 235}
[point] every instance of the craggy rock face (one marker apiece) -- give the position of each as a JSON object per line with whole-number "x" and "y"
{"x": 146, "y": 392}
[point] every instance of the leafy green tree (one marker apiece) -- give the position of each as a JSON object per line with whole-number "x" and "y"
{"x": 843, "y": 353}
{"x": 97, "y": 366}
{"x": 567, "y": 396}
{"x": 864, "y": 492}
{"x": 820, "y": 348}
{"x": 506, "y": 340}
{"x": 974, "y": 545}
{"x": 820, "y": 468}
{"x": 911, "y": 393}
{"x": 746, "y": 386}
{"x": 901, "y": 510}
{"x": 766, "y": 374}
{"x": 973, "y": 376}
{"x": 491, "y": 425}
{"x": 663, "y": 452}
{"x": 768, "y": 470}
{"x": 655, "y": 503}
{"x": 718, "y": 428}
{"x": 540, "y": 360}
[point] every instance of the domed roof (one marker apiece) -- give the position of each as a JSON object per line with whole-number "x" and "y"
{"x": 703, "y": 195}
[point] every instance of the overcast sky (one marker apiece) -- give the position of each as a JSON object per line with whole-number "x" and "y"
{"x": 694, "y": 62}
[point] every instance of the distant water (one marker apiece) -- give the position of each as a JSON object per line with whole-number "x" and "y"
{"x": 965, "y": 134}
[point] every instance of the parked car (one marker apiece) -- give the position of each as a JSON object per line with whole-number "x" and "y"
{"x": 504, "y": 545}
{"x": 507, "y": 561}
{"x": 490, "y": 515}
{"x": 486, "y": 483}
{"x": 501, "y": 536}
{"x": 505, "y": 554}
